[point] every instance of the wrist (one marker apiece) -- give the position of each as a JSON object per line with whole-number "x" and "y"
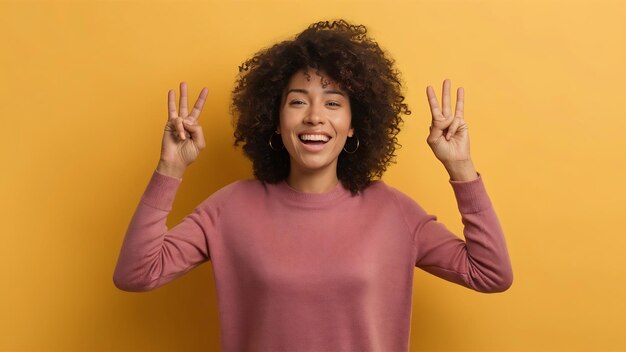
{"x": 170, "y": 169}
{"x": 461, "y": 170}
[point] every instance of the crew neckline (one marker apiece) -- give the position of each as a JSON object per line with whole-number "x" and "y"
{"x": 290, "y": 193}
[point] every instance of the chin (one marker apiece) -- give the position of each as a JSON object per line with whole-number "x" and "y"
{"x": 313, "y": 165}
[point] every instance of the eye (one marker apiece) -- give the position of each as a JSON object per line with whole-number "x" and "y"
{"x": 296, "y": 102}
{"x": 333, "y": 103}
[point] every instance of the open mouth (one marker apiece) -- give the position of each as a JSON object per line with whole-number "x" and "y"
{"x": 314, "y": 139}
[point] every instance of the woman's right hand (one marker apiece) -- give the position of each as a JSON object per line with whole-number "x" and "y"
{"x": 183, "y": 138}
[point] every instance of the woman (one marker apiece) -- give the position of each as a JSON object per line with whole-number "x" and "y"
{"x": 314, "y": 254}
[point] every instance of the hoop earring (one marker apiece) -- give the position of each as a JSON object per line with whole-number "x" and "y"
{"x": 270, "y": 143}
{"x": 355, "y": 149}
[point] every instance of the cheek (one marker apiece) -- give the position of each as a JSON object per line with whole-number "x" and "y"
{"x": 346, "y": 123}
{"x": 286, "y": 120}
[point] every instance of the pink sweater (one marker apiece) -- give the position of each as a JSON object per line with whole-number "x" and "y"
{"x": 312, "y": 272}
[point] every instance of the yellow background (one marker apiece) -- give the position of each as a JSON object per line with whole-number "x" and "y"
{"x": 83, "y": 89}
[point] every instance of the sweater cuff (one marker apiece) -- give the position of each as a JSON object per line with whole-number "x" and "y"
{"x": 471, "y": 196}
{"x": 161, "y": 191}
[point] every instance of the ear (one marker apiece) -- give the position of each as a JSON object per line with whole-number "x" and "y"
{"x": 351, "y": 132}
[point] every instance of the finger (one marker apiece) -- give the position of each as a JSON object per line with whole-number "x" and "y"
{"x": 445, "y": 98}
{"x": 460, "y": 101}
{"x": 197, "y": 107}
{"x": 196, "y": 133}
{"x": 171, "y": 104}
{"x": 180, "y": 130}
{"x": 453, "y": 128}
{"x": 183, "y": 100}
{"x": 435, "y": 111}
{"x": 434, "y": 135}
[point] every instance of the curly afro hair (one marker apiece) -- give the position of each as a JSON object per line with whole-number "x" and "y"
{"x": 357, "y": 64}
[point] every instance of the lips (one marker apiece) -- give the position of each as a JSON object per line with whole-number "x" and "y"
{"x": 313, "y": 141}
{"x": 311, "y": 137}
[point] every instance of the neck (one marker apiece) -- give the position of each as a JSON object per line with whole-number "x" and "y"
{"x": 319, "y": 181}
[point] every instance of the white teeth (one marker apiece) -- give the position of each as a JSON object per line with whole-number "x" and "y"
{"x": 314, "y": 137}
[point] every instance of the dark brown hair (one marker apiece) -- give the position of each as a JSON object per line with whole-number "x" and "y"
{"x": 357, "y": 64}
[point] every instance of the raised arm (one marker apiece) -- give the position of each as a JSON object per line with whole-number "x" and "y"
{"x": 151, "y": 254}
{"x": 481, "y": 261}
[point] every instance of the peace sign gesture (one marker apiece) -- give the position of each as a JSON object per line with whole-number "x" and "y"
{"x": 449, "y": 137}
{"x": 183, "y": 138}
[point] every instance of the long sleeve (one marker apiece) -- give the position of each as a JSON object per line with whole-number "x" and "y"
{"x": 153, "y": 255}
{"x": 481, "y": 262}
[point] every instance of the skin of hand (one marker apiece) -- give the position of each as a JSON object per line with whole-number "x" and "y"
{"x": 183, "y": 138}
{"x": 449, "y": 137}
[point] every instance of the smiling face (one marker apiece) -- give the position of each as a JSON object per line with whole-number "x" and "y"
{"x": 315, "y": 120}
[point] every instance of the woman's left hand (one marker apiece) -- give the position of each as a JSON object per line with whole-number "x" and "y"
{"x": 449, "y": 137}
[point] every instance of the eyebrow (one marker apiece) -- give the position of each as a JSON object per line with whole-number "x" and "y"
{"x": 326, "y": 91}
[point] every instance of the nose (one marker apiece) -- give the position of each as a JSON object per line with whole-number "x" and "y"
{"x": 314, "y": 116}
